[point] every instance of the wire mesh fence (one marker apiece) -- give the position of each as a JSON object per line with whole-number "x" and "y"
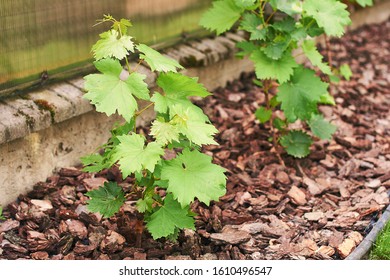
{"x": 40, "y": 39}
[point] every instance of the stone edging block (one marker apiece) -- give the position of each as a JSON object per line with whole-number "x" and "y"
{"x": 57, "y": 103}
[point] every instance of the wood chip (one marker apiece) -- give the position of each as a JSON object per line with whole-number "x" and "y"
{"x": 376, "y": 183}
{"x": 230, "y": 235}
{"x": 314, "y": 216}
{"x": 9, "y": 225}
{"x": 112, "y": 242}
{"x": 42, "y": 205}
{"x": 346, "y": 247}
{"x": 94, "y": 183}
{"x": 313, "y": 187}
{"x": 76, "y": 228}
{"x": 326, "y": 250}
{"x": 297, "y": 195}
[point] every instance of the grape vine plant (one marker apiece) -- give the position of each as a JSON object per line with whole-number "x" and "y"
{"x": 165, "y": 185}
{"x": 278, "y": 31}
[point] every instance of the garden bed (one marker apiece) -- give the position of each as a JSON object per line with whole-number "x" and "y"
{"x": 320, "y": 207}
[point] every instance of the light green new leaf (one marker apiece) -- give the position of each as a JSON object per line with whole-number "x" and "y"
{"x": 310, "y": 50}
{"x": 329, "y": 14}
{"x": 297, "y": 143}
{"x": 168, "y": 218}
{"x": 346, "y": 72}
{"x": 193, "y": 124}
{"x": 321, "y": 127}
{"x": 267, "y": 68}
{"x": 263, "y": 115}
{"x": 365, "y": 3}
{"x": 164, "y": 132}
{"x": 145, "y": 205}
{"x": 299, "y": 97}
{"x": 110, "y": 94}
{"x": 134, "y": 156}
{"x": 221, "y": 16}
{"x": 111, "y": 46}
{"x": 137, "y": 85}
{"x": 191, "y": 174}
{"x": 290, "y": 7}
{"x": 156, "y": 60}
{"x": 106, "y": 200}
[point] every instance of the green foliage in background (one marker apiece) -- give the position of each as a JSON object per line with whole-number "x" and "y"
{"x": 279, "y": 31}
{"x": 180, "y": 127}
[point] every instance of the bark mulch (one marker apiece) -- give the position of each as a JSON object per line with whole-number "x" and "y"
{"x": 319, "y": 207}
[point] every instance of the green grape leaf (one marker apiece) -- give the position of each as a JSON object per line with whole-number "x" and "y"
{"x": 170, "y": 217}
{"x": 310, "y": 50}
{"x": 164, "y": 132}
{"x": 346, "y": 72}
{"x": 176, "y": 84}
{"x": 296, "y": 143}
{"x": 177, "y": 88}
{"x": 110, "y": 94}
{"x": 286, "y": 25}
{"x": 279, "y": 123}
{"x": 145, "y": 205}
{"x": 246, "y": 47}
{"x": 275, "y": 50}
{"x": 365, "y": 3}
{"x": 244, "y": 3}
{"x": 111, "y": 46}
{"x": 191, "y": 174}
{"x": 252, "y": 24}
{"x": 299, "y": 97}
{"x": 133, "y": 156}
{"x": 157, "y": 61}
{"x": 311, "y": 27}
{"x": 221, "y": 16}
{"x": 106, "y": 200}
{"x": 193, "y": 124}
{"x": 290, "y": 7}
{"x": 267, "y": 68}
{"x": 327, "y": 99}
{"x": 93, "y": 163}
{"x": 321, "y": 127}
{"x": 263, "y": 115}
{"x": 329, "y": 14}
{"x": 122, "y": 25}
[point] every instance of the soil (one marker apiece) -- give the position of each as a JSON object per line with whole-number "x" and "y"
{"x": 319, "y": 207}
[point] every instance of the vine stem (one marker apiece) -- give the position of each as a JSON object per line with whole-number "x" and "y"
{"x": 143, "y": 109}
{"x": 267, "y": 87}
{"x": 269, "y": 18}
{"x": 138, "y": 65}
{"x": 330, "y": 58}
{"x": 128, "y": 65}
